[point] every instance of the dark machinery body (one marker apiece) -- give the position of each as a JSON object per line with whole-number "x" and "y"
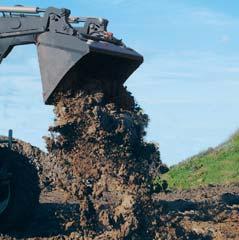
{"x": 19, "y": 187}
{"x": 90, "y": 52}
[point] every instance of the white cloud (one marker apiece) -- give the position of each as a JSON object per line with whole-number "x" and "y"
{"x": 214, "y": 18}
{"x": 117, "y": 2}
{"x": 225, "y": 39}
{"x": 232, "y": 69}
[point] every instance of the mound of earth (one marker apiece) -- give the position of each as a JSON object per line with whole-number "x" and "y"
{"x": 219, "y": 165}
{"x": 35, "y": 156}
{"x": 204, "y": 213}
{"x": 96, "y": 180}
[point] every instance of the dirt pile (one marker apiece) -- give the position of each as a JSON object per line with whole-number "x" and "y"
{"x": 35, "y": 156}
{"x": 98, "y": 156}
{"x": 205, "y": 213}
{"x": 96, "y": 180}
{"x": 201, "y": 214}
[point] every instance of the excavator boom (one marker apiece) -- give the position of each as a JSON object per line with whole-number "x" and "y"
{"x": 69, "y": 55}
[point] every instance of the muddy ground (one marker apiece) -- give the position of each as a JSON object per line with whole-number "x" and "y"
{"x": 206, "y": 213}
{"x": 96, "y": 180}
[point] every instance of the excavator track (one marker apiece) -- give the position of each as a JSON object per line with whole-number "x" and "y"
{"x": 19, "y": 191}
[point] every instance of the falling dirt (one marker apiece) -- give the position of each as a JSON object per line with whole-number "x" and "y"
{"x": 96, "y": 180}
{"x": 100, "y": 159}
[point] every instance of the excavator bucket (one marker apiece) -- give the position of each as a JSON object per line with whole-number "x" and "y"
{"x": 70, "y": 55}
{"x": 68, "y": 63}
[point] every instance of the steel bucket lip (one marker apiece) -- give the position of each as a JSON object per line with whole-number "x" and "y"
{"x": 115, "y": 50}
{"x": 119, "y": 62}
{"x": 94, "y": 46}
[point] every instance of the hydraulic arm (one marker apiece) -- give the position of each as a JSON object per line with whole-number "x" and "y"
{"x": 68, "y": 54}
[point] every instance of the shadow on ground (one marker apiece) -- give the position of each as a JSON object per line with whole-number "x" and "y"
{"x": 52, "y": 219}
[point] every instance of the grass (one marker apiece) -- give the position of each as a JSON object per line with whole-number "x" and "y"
{"x": 215, "y": 166}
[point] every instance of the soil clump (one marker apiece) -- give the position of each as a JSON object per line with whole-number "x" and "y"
{"x": 99, "y": 158}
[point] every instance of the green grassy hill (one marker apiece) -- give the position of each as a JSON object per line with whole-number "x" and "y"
{"x": 215, "y": 166}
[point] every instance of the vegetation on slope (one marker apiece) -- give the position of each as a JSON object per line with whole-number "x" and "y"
{"x": 215, "y": 166}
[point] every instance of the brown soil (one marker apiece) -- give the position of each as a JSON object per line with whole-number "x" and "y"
{"x": 205, "y": 213}
{"x": 98, "y": 159}
{"x": 208, "y": 213}
{"x": 101, "y": 160}
{"x": 96, "y": 180}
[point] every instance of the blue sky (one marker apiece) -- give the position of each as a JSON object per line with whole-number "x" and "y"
{"x": 188, "y": 84}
